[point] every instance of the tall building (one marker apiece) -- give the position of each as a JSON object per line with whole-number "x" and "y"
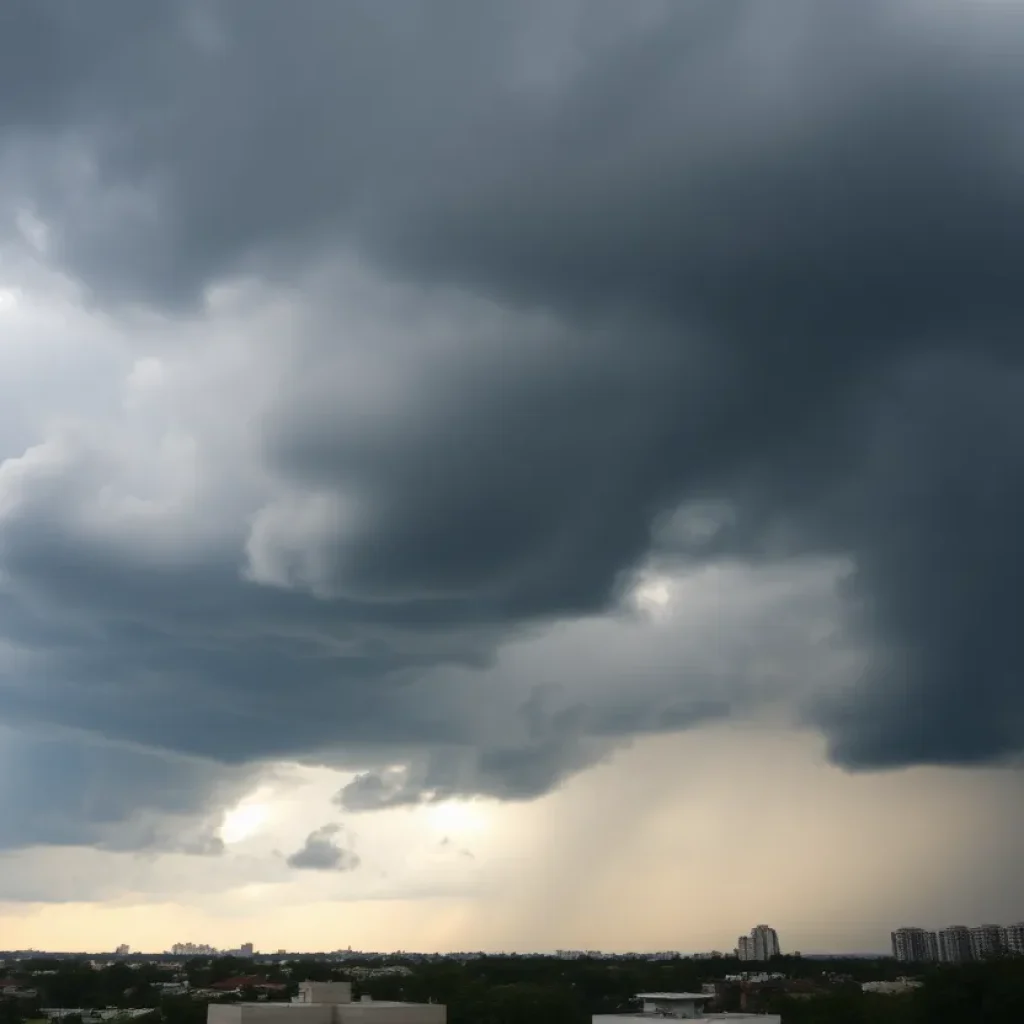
{"x": 246, "y": 949}
{"x": 123, "y": 950}
{"x": 766, "y": 942}
{"x": 1013, "y": 939}
{"x": 986, "y": 941}
{"x": 761, "y": 944}
{"x": 192, "y": 949}
{"x": 914, "y": 945}
{"x": 955, "y": 945}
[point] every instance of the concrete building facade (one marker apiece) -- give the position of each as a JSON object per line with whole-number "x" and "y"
{"x": 766, "y": 942}
{"x": 891, "y": 988}
{"x": 955, "y": 944}
{"x": 761, "y": 944}
{"x": 986, "y": 941}
{"x": 914, "y": 945}
{"x": 1013, "y": 939}
{"x": 327, "y": 1003}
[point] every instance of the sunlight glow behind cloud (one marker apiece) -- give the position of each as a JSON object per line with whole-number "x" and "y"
{"x": 459, "y": 817}
{"x": 245, "y": 820}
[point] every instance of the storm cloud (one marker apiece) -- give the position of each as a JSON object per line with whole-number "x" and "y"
{"x": 69, "y": 790}
{"x": 436, "y": 328}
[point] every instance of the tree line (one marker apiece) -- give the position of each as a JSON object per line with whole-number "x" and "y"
{"x": 546, "y": 990}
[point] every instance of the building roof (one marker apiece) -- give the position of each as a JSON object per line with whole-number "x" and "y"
{"x": 246, "y": 981}
{"x": 361, "y": 1003}
{"x": 679, "y": 997}
{"x": 710, "y": 1018}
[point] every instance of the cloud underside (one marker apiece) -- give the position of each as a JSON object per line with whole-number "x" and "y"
{"x": 322, "y": 852}
{"x": 421, "y": 356}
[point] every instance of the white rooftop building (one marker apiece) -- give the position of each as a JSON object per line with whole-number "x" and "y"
{"x": 683, "y": 1006}
{"x": 890, "y": 988}
{"x": 327, "y": 1002}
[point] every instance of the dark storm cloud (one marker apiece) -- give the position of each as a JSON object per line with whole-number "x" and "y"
{"x": 558, "y": 740}
{"x": 761, "y": 259}
{"x": 65, "y": 790}
{"x": 513, "y": 772}
{"x": 321, "y": 852}
{"x": 935, "y": 519}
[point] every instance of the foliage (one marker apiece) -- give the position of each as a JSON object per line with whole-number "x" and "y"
{"x": 546, "y": 990}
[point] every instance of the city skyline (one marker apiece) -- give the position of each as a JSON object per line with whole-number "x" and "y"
{"x": 958, "y": 943}
{"x": 537, "y": 475}
{"x": 951, "y": 944}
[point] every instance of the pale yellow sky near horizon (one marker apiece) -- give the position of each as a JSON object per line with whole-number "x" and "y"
{"x": 679, "y": 842}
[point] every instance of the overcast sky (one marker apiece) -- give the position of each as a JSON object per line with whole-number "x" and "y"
{"x": 491, "y": 475}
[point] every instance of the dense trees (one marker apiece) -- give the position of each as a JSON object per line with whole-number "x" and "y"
{"x": 538, "y": 990}
{"x": 523, "y": 990}
{"x": 11, "y": 1011}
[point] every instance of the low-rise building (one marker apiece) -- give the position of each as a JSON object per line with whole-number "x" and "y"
{"x": 890, "y": 988}
{"x": 97, "y": 1016}
{"x": 247, "y": 981}
{"x": 681, "y": 1006}
{"x": 17, "y": 992}
{"x": 173, "y": 988}
{"x": 327, "y": 1002}
{"x": 391, "y": 971}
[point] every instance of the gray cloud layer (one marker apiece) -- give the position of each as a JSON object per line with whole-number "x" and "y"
{"x": 639, "y": 259}
{"x": 65, "y": 790}
{"x": 321, "y": 852}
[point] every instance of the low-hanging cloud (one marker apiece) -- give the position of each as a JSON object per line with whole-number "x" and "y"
{"x": 322, "y": 852}
{"x": 446, "y": 338}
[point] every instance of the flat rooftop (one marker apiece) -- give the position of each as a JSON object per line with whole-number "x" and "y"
{"x": 305, "y": 1006}
{"x": 707, "y": 1018}
{"x": 679, "y": 997}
